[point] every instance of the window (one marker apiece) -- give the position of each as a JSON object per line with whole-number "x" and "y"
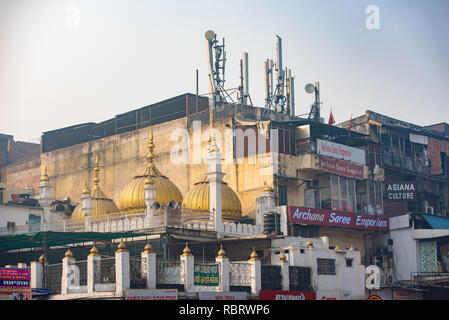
{"x": 349, "y": 263}
{"x": 307, "y": 231}
{"x": 282, "y": 195}
{"x": 325, "y": 266}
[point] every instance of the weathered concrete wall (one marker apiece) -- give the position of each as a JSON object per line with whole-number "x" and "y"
{"x": 23, "y": 174}
{"x": 123, "y": 156}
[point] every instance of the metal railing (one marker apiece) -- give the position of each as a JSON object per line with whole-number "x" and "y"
{"x": 53, "y": 276}
{"x": 240, "y": 274}
{"x": 300, "y": 278}
{"x": 271, "y": 277}
{"x": 137, "y": 278}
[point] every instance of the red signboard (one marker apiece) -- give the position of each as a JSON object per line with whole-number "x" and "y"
{"x": 342, "y": 168}
{"x": 302, "y": 215}
{"x": 15, "y": 284}
{"x": 286, "y": 295}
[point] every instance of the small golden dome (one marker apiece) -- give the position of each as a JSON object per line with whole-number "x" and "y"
{"x": 133, "y": 194}
{"x": 101, "y": 204}
{"x": 197, "y": 200}
{"x": 94, "y": 252}
{"x": 42, "y": 259}
{"x": 267, "y": 189}
{"x": 337, "y": 247}
{"x": 282, "y": 257}
{"x": 68, "y": 254}
{"x": 309, "y": 244}
{"x": 351, "y": 248}
{"x": 121, "y": 247}
{"x": 221, "y": 253}
{"x": 253, "y": 256}
{"x": 186, "y": 251}
{"x": 44, "y": 176}
{"x": 148, "y": 249}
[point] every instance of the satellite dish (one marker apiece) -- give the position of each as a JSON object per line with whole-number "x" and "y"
{"x": 210, "y": 35}
{"x": 310, "y": 88}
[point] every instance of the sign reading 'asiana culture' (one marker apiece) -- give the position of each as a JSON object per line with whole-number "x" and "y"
{"x": 302, "y": 215}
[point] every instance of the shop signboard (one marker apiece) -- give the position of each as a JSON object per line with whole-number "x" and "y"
{"x": 151, "y": 294}
{"x": 320, "y": 217}
{"x": 340, "y": 151}
{"x": 15, "y": 284}
{"x": 286, "y": 295}
{"x": 400, "y": 191}
{"x": 342, "y": 168}
{"x": 206, "y": 274}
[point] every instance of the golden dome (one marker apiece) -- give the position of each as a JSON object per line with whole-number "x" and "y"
{"x": 221, "y": 253}
{"x": 253, "y": 256}
{"x": 186, "y": 251}
{"x": 68, "y": 254}
{"x": 282, "y": 257}
{"x": 121, "y": 247}
{"x": 132, "y": 197}
{"x": 148, "y": 248}
{"x": 197, "y": 199}
{"x": 94, "y": 252}
{"x": 101, "y": 204}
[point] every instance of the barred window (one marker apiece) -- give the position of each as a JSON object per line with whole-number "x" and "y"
{"x": 326, "y": 266}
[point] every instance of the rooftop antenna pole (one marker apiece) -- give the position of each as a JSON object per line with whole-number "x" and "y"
{"x": 292, "y": 95}
{"x": 210, "y": 37}
{"x": 268, "y": 65}
{"x": 196, "y": 98}
{"x": 317, "y": 113}
{"x": 245, "y": 78}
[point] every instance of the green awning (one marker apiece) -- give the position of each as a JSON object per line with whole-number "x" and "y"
{"x": 437, "y": 222}
{"x": 53, "y": 239}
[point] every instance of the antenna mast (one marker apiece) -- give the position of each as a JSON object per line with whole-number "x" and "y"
{"x": 217, "y": 63}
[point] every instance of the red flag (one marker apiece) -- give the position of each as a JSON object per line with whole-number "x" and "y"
{"x": 350, "y": 125}
{"x": 331, "y": 118}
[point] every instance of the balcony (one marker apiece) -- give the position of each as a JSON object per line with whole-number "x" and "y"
{"x": 393, "y": 160}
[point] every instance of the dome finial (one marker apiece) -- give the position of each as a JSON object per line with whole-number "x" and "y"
{"x": 44, "y": 176}
{"x": 97, "y": 174}
{"x": 86, "y": 189}
{"x": 221, "y": 253}
{"x": 121, "y": 247}
{"x": 253, "y": 255}
{"x": 150, "y": 156}
{"x": 282, "y": 257}
{"x": 186, "y": 251}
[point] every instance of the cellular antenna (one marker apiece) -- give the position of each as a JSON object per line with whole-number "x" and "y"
{"x": 216, "y": 75}
{"x": 315, "y": 108}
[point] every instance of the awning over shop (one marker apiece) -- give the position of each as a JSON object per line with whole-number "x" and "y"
{"x": 52, "y": 239}
{"x": 436, "y": 222}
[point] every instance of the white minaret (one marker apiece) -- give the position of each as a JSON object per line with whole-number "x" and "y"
{"x": 215, "y": 176}
{"x": 45, "y": 198}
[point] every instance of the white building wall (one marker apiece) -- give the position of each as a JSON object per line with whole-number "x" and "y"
{"x": 18, "y": 214}
{"x": 405, "y": 247}
{"x": 347, "y": 283}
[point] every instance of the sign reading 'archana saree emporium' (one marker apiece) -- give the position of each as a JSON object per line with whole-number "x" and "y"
{"x": 302, "y": 215}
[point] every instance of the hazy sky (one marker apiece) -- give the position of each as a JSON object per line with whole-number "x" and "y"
{"x": 65, "y": 62}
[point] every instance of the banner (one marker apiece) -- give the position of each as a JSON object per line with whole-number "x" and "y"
{"x": 15, "y": 284}
{"x": 340, "y": 151}
{"x": 206, "y": 274}
{"x": 286, "y": 295}
{"x": 151, "y": 294}
{"x": 320, "y": 217}
{"x": 235, "y": 295}
{"x": 342, "y": 168}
